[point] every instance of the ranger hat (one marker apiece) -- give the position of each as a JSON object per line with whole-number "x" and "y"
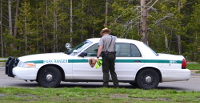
{"x": 105, "y": 30}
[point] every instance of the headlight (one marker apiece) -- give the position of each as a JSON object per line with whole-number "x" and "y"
{"x": 26, "y": 65}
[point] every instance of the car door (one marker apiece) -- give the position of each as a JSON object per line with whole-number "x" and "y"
{"x": 81, "y": 68}
{"x": 128, "y": 60}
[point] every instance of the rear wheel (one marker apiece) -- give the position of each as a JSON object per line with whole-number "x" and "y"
{"x": 49, "y": 77}
{"x": 148, "y": 79}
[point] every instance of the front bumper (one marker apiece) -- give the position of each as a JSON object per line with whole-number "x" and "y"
{"x": 10, "y": 64}
{"x": 22, "y": 73}
{"x": 25, "y": 73}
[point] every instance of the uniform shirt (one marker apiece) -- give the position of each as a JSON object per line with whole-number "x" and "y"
{"x": 105, "y": 41}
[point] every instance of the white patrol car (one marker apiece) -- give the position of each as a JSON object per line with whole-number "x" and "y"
{"x": 135, "y": 63}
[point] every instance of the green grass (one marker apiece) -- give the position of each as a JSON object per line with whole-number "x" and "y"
{"x": 3, "y": 60}
{"x": 193, "y": 66}
{"x": 95, "y": 95}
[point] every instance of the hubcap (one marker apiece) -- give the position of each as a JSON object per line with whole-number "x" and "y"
{"x": 148, "y": 79}
{"x": 49, "y": 77}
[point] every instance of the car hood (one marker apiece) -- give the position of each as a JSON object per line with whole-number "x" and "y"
{"x": 171, "y": 56}
{"x": 44, "y": 56}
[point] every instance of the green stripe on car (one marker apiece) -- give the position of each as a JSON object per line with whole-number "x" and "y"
{"x": 130, "y": 61}
{"x": 77, "y": 60}
{"x": 116, "y": 61}
{"x": 35, "y": 61}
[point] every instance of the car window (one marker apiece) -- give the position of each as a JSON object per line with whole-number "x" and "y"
{"x": 151, "y": 50}
{"x": 122, "y": 49}
{"x": 79, "y": 47}
{"x": 127, "y": 50}
{"x": 92, "y": 50}
{"x": 134, "y": 51}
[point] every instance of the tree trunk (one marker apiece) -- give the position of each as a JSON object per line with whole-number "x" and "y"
{"x": 179, "y": 44}
{"x": 37, "y": 29}
{"x": 82, "y": 26}
{"x": 10, "y": 17}
{"x": 166, "y": 42}
{"x": 71, "y": 21}
{"x": 43, "y": 36}
{"x": 106, "y": 13}
{"x": 10, "y": 22}
{"x": 16, "y": 16}
{"x": 55, "y": 28}
{"x": 2, "y": 46}
{"x": 43, "y": 26}
{"x": 143, "y": 31}
{"x": 25, "y": 35}
{"x": 178, "y": 36}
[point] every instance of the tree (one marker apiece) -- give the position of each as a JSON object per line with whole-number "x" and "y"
{"x": 40, "y": 26}
{"x": 2, "y": 43}
{"x": 71, "y": 22}
{"x": 16, "y": 17}
{"x": 10, "y": 17}
{"x": 124, "y": 19}
{"x": 24, "y": 23}
{"x": 193, "y": 38}
{"x": 143, "y": 23}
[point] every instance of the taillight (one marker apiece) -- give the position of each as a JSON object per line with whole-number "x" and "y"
{"x": 184, "y": 64}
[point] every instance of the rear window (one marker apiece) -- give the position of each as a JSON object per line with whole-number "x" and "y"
{"x": 151, "y": 49}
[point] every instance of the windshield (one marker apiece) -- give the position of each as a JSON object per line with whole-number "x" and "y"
{"x": 80, "y": 47}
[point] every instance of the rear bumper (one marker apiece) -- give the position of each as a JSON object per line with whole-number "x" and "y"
{"x": 175, "y": 75}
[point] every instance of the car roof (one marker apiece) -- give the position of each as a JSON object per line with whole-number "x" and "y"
{"x": 123, "y": 40}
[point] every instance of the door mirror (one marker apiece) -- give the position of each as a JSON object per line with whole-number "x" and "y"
{"x": 75, "y": 51}
{"x": 68, "y": 46}
{"x": 83, "y": 54}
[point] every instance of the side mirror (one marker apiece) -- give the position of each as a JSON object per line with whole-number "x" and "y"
{"x": 75, "y": 51}
{"x": 83, "y": 54}
{"x": 68, "y": 46}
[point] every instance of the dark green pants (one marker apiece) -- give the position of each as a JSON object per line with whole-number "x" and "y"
{"x": 108, "y": 65}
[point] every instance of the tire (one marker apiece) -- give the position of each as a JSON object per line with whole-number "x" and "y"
{"x": 148, "y": 79}
{"x": 49, "y": 77}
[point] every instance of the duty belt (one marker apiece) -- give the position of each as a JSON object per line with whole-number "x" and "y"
{"x": 111, "y": 52}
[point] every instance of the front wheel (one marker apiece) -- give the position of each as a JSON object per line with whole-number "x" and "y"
{"x": 49, "y": 77}
{"x": 148, "y": 79}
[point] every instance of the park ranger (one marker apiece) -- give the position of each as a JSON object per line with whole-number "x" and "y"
{"x": 107, "y": 50}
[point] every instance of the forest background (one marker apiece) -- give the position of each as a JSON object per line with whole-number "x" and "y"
{"x": 41, "y": 26}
